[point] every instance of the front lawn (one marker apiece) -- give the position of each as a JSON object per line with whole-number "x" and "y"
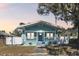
{"x": 16, "y": 50}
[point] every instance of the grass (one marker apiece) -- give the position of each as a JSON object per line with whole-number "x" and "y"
{"x": 16, "y": 50}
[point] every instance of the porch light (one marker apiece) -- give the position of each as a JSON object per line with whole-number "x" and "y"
{"x": 40, "y": 33}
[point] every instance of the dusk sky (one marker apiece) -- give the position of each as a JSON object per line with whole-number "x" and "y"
{"x": 12, "y": 14}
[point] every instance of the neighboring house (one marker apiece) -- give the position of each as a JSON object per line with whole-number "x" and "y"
{"x": 3, "y": 36}
{"x": 39, "y": 34}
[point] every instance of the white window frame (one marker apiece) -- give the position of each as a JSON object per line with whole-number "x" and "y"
{"x": 49, "y": 35}
{"x": 30, "y": 36}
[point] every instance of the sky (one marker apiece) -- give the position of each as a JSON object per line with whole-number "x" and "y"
{"x": 11, "y": 14}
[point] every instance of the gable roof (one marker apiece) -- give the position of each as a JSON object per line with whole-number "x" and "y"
{"x": 3, "y": 33}
{"x": 41, "y": 23}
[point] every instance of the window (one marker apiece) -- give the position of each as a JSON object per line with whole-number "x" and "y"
{"x": 49, "y": 35}
{"x": 30, "y": 35}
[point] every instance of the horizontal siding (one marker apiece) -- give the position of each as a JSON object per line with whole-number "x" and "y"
{"x": 31, "y": 42}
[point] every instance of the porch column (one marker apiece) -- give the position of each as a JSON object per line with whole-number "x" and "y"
{"x": 44, "y": 37}
{"x": 37, "y": 37}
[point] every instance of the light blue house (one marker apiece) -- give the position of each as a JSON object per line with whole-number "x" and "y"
{"x": 39, "y": 34}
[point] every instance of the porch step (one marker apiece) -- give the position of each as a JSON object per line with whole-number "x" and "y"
{"x": 40, "y": 44}
{"x": 39, "y": 54}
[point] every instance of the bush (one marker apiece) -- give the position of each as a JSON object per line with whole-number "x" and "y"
{"x": 72, "y": 41}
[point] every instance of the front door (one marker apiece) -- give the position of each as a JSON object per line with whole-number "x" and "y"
{"x": 40, "y": 39}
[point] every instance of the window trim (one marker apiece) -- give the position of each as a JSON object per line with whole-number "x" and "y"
{"x": 49, "y": 35}
{"x": 30, "y": 37}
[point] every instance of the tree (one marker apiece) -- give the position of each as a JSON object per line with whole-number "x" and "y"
{"x": 21, "y": 23}
{"x": 62, "y": 11}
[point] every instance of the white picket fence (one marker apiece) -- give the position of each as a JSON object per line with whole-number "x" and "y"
{"x": 19, "y": 40}
{"x": 13, "y": 40}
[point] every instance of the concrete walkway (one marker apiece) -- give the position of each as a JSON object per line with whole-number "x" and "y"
{"x": 40, "y": 52}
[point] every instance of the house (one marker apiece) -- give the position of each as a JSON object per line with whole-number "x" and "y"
{"x": 3, "y": 36}
{"x": 39, "y": 34}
